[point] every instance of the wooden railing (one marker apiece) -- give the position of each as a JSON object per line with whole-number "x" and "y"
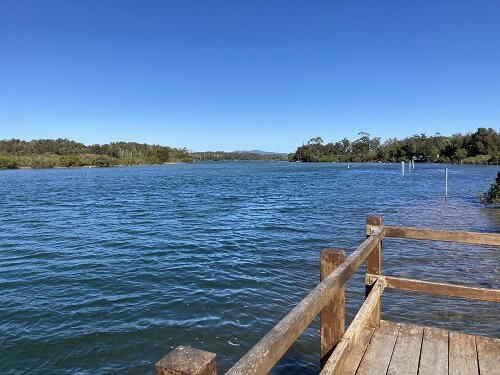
{"x": 327, "y": 299}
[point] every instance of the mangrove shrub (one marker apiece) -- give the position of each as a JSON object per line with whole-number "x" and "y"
{"x": 492, "y": 196}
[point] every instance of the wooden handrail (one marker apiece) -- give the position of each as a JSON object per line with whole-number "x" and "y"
{"x": 476, "y": 238}
{"x": 269, "y": 350}
{"x": 344, "y": 347}
{"x": 443, "y": 289}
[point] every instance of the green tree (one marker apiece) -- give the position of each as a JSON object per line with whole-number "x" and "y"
{"x": 459, "y": 155}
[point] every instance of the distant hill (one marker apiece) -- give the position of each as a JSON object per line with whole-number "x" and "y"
{"x": 254, "y": 155}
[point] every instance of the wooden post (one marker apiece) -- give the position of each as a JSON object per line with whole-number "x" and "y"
{"x": 332, "y": 319}
{"x": 373, "y": 265}
{"x": 187, "y": 361}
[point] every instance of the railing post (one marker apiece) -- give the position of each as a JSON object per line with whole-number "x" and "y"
{"x": 373, "y": 265}
{"x": 187, "y": 361}
{"x": 332, "y": 320}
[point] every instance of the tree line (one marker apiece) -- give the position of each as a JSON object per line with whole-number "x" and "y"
{"x": 480, "y": 147}
{"x": 48, "y": 153}
{"x": 236, "y": 156}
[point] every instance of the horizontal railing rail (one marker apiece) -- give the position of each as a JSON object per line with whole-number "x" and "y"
{"x": 476, "y": 238}
{"x": 443, "y": 289}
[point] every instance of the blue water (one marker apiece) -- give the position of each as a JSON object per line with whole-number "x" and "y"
{"x": 104, "y": 271}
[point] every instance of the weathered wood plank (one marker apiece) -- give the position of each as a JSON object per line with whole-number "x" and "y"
{"x": 267, "y": 352}
{"x": 434, "y": 353}
{"x": 354, "y": 359}
{"x": 184, "y": 360}
{"x": 492, "y": 239}
{"x": 462, "y": 354}
{"x": 339, "y": 356}
{"x": 443, "y": 289}
{"x": 488, "y": 355}
{"x": 378, "y": 355}
{"x": 406, "y": 353}
{"x": 374, "y": 264}
{"x": 332, "y": 320}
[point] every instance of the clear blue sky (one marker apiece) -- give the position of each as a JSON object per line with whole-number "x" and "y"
{"x": 244, "y": 74}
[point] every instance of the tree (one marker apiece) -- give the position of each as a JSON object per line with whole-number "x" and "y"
{"x": 315, "y": 141}
{"x": 485, "y": 141}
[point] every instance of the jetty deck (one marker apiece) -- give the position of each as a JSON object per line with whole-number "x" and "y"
{"x": 399, "y": 348}
{"x": 369, "y": 345}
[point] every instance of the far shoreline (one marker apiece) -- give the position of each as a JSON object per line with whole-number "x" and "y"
{"x": 94, "y": 166}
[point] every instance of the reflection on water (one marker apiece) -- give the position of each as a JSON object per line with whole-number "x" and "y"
{"x": 106, "y": 270}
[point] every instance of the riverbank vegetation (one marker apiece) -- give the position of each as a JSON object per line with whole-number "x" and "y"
{"x": 237, "y": 156}
{"x": 49, "y": 153}
{"x": 492, "y": 196}
{"x": 480, "y": 147}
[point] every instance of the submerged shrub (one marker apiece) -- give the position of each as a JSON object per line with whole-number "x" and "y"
{"x": 492, "y": 196}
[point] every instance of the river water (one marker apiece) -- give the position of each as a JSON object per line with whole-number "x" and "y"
{"x": 104, "y": 271}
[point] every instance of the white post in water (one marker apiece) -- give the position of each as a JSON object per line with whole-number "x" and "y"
{"x": 403, "y": 167}
{"x": 446, "y": 184}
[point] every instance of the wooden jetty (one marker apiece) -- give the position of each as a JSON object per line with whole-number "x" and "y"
{"x": 369, "y": 345}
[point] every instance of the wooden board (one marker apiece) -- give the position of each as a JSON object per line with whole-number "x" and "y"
{"x": 444, "y": 235}
{"x": 434, "y": 353}
{"x": 462, "y": 354}
{"x": 357, "y": 353}
{"x": 488, "y": 354}
{"x": 461, "y": 291}
{"x": 406, "y": 353}
{"x": 378, "y": 355}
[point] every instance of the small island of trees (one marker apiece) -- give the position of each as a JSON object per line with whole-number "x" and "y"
{"x": 480, "y": 147}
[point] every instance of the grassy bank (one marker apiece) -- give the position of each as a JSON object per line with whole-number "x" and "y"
{"x": 56, "y": 161}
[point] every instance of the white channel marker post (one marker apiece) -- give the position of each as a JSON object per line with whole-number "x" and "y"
{"x": 446, "y": 184}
